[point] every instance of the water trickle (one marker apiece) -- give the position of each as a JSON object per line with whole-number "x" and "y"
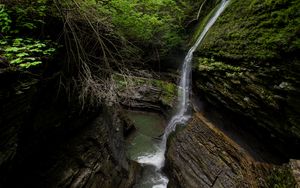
{"x": 156, "y": 160}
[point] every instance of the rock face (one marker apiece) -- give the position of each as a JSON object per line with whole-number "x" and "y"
{"x": 15, "y": 103}
{"x": 90, "y": 157}
{"x": 249, "y": 64}
{"x": 201, "y": 156}
{"x": 247, "y": 67}
{"x": 46, "y": 142}
{"x": 146, "y": 93}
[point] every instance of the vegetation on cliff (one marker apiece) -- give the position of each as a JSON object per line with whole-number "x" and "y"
{"x": 281, "y": 178}
{"x": 19, "y": 45}
{"x": 57, "y": 63}
{"x": 86, "y": 41}
{"x": 256, "y": 31}
{"x": 150, "y": 89}
{"x": 249, "y": 64}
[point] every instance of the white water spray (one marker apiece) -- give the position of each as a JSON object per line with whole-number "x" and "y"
{"x": 157, "y": 159}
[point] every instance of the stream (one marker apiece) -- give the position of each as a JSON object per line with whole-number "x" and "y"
{"x": 146, "y": 147}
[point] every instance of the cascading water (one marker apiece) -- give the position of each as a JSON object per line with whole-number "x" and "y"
{"x": 155, "y": 161}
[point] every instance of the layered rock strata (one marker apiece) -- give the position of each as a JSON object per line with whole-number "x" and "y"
{"x": 47, "y": 141}
{"x": 249, "y": 64}
{"x": 200, "y": 155}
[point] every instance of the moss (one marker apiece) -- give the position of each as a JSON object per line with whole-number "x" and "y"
{"x": 255, "y": 30}
{"x": 206, "y": 64}
{"x": 250, "y": 60}
{"x": 205, "y": 19}
{"x": 281, "y": 178}
{"x": 168, "y": 89}
{"x": 120, "y": 81}
{"x": 264, "y": 94}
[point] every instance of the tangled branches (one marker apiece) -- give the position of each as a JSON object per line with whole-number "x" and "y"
{"x": 94, "y": 51}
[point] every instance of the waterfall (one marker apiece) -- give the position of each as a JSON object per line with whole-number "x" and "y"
{"x": 157, "y": 159}
{"x": 182, "y": 115}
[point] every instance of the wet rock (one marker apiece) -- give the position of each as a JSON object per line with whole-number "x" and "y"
{"x": 47, "y": 141}
{"x": 146, "y": 93}
{"x": 16, "y": 95}
{"x": 201, "y": 156}
{"x": 265, "y": 70}
{"x": 92, "y": 157}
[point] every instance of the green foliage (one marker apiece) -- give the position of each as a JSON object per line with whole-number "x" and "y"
{"x": 255, "y": 30}
{"x": 26, "y": 52}
{"x": 16, "y": 20}
{"x": 28, "y": 14}
{"x": 154, "y": 24}
{"x": 203, "y": 23}
{"x": 168, "y": 89}
{"x": 206, "y": 64}
{"x": 5, "y": 20}
{"x": 147, "y": 21}
{"x": 169, "y": 92}
{"x": 268, "y": 3}
{"x": 281, "y": 178}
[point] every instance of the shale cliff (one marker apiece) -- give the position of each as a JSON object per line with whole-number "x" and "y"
{"x": 247, "y": 68}
{"x": 48, "y": 141}
{"x": 249, "y": 64}
{"x": 203, "y": 156}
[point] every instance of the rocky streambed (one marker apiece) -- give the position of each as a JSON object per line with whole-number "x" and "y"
{"x": 89, "y": 150}
{"x": 212, "y": 150}
{"x": 202, "y": 155}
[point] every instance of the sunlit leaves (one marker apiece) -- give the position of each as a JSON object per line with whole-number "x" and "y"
{"x": 157, "y": 21}
{"x": 5, "y": 20}
{"x": 27, "y": 52}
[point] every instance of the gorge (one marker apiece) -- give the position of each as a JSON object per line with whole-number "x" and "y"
{"x": 157, "y": 158}
{"x": 103, "y": 94}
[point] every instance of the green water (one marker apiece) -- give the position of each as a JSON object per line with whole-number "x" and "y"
{"x": 149, "y": 128}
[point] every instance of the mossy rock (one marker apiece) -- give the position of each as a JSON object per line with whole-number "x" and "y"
{"x": 281, "y": 177}
{"x": 164, "y": 92}
{"x": 249, "y": 63}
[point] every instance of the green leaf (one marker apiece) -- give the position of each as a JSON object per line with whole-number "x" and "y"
{"x": 30, "y": 58}
{"x": 12, "y": 49}
{"x": 17, "y": 61}
{"x": 29, "y": 25}
{"x": 35, "y": 50}
{"x": 27, "y": 65}
{"x": 24, "y": 65}
{"x": 36, "y": 63}
{"x": 3, "y": 42}
{"x": 49, "y": 51}
{"x": 23, "y": 54}
{"x": 18, "y": 42}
